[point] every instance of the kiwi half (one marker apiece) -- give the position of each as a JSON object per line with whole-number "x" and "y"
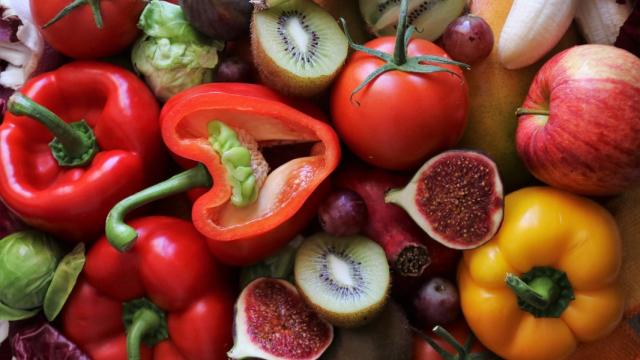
{"x": 345, "y": 279}
{"x": 298, "y": 47}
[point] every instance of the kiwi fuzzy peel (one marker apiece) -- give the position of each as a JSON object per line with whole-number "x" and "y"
{"x": 298, "y": 47}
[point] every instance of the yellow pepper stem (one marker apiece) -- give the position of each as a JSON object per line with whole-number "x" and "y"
{"x": 543, "y": 291}
{"x": 539, "y": 294}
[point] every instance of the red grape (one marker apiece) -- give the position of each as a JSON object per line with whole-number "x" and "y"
{"x": 343, "y": 213}
{"x": 437, "y": 302}
{"x": 468, "y": 39}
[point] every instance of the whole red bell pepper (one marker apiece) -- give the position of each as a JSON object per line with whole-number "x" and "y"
{"x": 167, "y": 292}
{"x": 67, "y": 186}
{"x": 243, "y": 223}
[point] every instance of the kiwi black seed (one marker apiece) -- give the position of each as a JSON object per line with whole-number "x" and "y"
{"x": 345, "y": 279}
{"x": 298, "y": 47}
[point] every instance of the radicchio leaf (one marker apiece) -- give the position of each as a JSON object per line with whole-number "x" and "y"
{"x": 43, "y": 342}
{"x": 9, "y": 27}
{"x": 629, "y": 37}
{"x": 23, "y": 51}
{"x": 9, "y": 222}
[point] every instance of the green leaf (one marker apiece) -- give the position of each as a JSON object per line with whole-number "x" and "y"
{"x": 64, "y": 279}
{"x": 167, "y": 20}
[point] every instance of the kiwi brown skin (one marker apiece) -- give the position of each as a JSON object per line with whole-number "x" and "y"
{"x": 388, "y": 336}
{"x": 352, "y": 320}
{"x": 280, "y": 79}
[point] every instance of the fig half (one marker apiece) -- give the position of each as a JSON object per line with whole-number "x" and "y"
{"x": 456, "y": 197}
{"x": 273, "y": 322}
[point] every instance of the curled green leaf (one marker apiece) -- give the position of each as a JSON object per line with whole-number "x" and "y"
{"x": 64, "y": 279}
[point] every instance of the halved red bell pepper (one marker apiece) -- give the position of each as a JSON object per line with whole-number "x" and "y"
{"x": 168, "y": 289}
{"x": 286, "y": 200}
{"x": 67, "y": 187}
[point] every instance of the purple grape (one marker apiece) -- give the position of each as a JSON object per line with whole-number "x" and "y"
{"x": 437, "y": 302}
{"x": 343, "y": 213}
{"x": 233, "y": 69}
{"x": 468, "y": 39}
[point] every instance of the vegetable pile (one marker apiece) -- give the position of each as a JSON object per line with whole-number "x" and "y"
{"x": 313, "y": 179}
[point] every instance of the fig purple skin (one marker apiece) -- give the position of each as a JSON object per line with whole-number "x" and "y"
{"x": 273, "y": 322}
{"x": 437, "y": 302}
{"x": 343, "y": 213}
{"x": 219, "y": 19}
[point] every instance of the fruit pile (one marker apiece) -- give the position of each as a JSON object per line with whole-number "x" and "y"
{"x": 316, "y": 179}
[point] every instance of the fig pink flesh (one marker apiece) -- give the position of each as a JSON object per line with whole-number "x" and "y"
{"x": 281, "y": 323}
{"x": 457, "y": 195}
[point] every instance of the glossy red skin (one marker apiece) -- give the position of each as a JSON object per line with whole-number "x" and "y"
{"x": 77, "y": 35}
{"x": 170, "y": 265}
{"x": 72, "y": 203}
{"x": 423, "y": 351}
{"x": 252, "y": 241}
{"x": 402, "y": 118}
{"x": 590, "y": 142}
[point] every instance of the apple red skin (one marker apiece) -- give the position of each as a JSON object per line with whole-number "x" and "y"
{"x": 590, "y": 141}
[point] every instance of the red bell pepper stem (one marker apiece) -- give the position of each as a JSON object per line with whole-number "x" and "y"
{"x": 144, "y": 321}
{"x": 74, "y": 143}
{"x": 95, "y": 8}
{"x": 120, "y": 235}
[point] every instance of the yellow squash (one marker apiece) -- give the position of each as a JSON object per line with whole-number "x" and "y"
{"x": 548, "y": 280}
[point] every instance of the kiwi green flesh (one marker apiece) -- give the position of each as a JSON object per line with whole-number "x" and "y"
{"x": 346, "y": 279}
{"x": 430, "y": 16}
{"x": 301, "y": 38}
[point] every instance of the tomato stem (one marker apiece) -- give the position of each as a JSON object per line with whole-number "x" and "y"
{"x": 95, "y": 9}
{"x": 400, "y": 61}
{"x": 400, "y": 50}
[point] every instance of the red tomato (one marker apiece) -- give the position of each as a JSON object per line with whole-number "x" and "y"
{"x": 77, "y": 35}
{"x": 423, "y": 351}
{"x": 399, "y": 119}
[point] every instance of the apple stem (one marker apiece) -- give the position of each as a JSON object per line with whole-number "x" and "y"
{"x": 523, "y": 111}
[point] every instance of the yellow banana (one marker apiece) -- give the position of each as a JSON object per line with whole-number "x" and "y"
{"x": 532, "y": 28}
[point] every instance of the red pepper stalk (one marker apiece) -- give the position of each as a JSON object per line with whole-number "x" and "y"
{"x": 76, "y": 141}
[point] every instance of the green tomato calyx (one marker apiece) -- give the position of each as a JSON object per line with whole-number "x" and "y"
{"x": 400, "y": 61}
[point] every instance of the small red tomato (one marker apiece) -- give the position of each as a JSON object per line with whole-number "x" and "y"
{"x": 422, "y": 350}
{"x": 406, "y": 114}
{"x": 77, "y": 34}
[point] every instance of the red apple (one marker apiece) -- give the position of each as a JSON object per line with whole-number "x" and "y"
{"x": 579, "y": 128}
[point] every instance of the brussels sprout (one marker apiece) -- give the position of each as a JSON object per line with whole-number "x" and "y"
{"x": 172, "y": 55}
{"x": 32, "y": 269}
{"x": 27, "y": 262}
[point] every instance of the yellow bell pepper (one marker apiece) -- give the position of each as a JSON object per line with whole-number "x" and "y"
{"x": 547, "y": 281}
